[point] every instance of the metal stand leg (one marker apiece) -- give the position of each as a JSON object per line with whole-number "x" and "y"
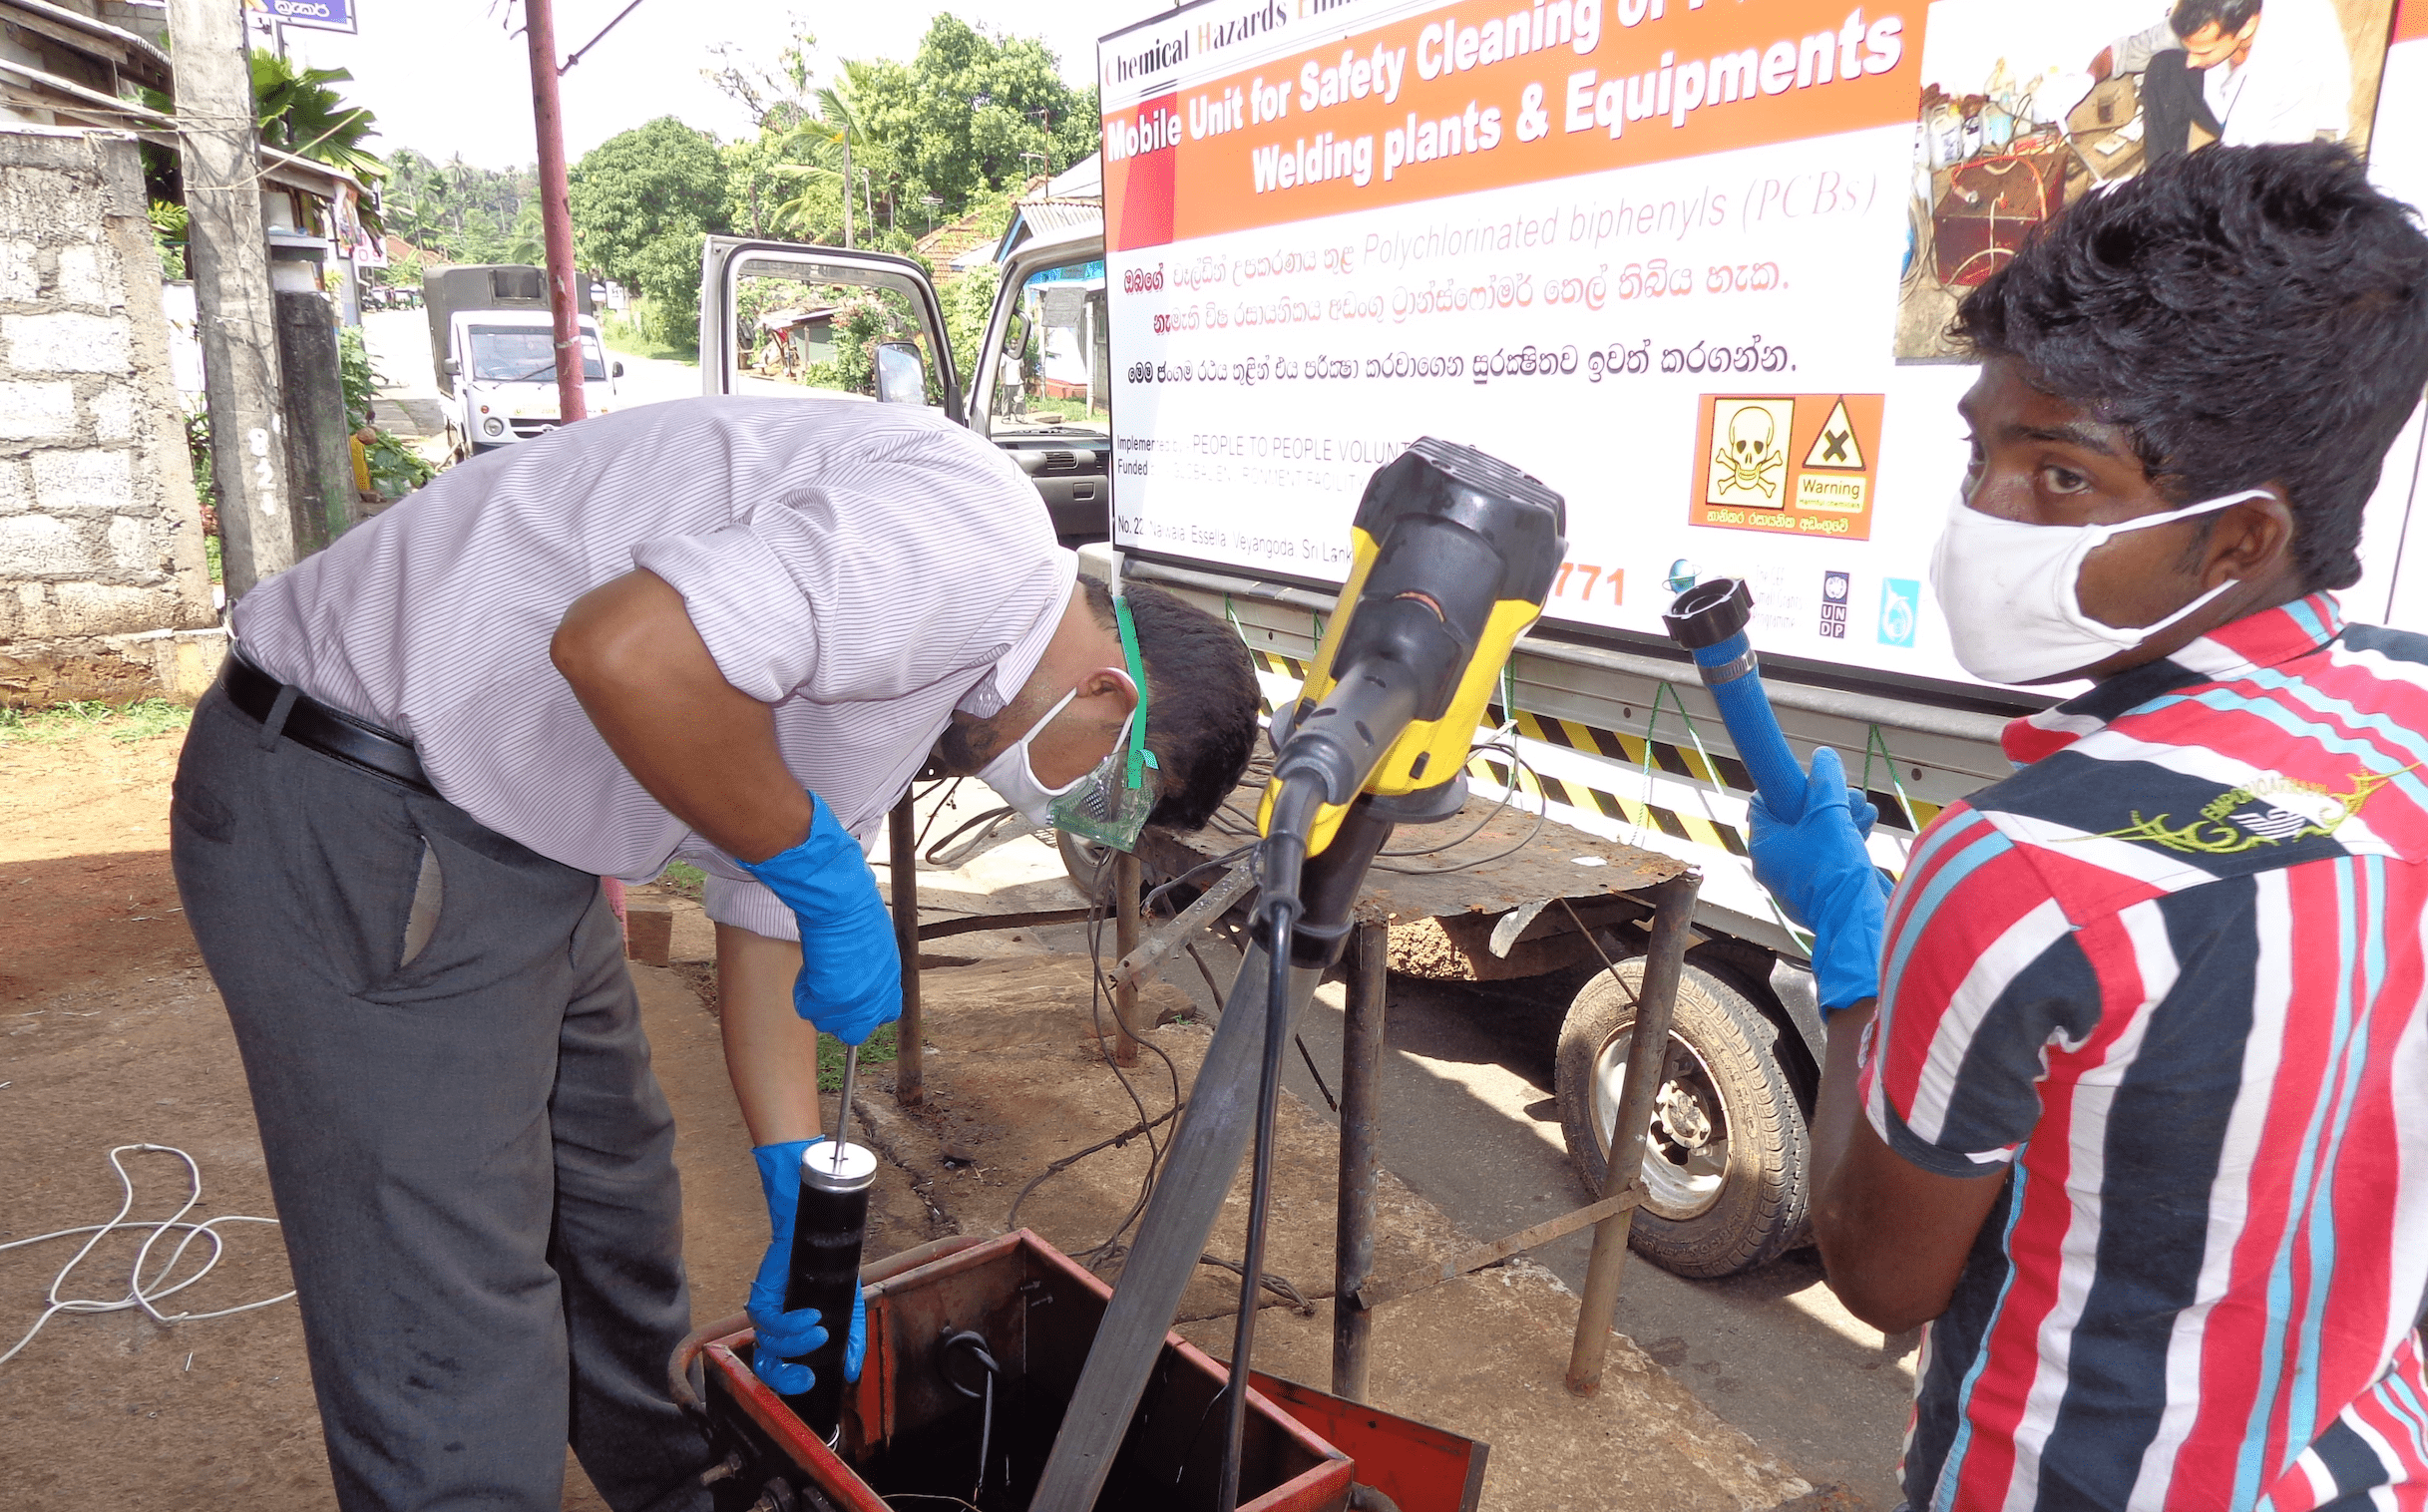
{"x": 902, "y": 834}
{"x": 1672, "y": 921}
{"x": 1126, "y": 940}
{"x": 1361, "y": 1071}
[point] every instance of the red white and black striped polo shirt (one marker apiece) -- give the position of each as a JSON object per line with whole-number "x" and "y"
{"x": 2167, "y": 981}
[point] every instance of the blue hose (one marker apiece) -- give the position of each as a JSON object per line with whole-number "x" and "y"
{"x": 1746, "y": 707}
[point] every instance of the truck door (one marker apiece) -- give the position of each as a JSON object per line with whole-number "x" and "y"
{"x": 779, "y": 319}
{"x": 1043, "y": 386}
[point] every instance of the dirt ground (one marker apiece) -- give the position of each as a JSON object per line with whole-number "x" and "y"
{"x": 110, "y": 1034}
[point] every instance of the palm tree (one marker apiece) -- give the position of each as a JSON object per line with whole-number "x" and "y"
{"x": 298, "y": 113}
{"x": 829, "y": 133}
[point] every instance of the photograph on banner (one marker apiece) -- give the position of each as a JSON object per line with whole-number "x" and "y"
{"x": 1794, "y": 464}
{"x": 2025, "y": 110}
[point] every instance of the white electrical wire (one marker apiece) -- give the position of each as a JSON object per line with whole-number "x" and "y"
{"x": 138, "y": 1295}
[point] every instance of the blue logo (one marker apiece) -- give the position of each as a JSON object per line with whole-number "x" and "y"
{"x": 1900, "y": 608}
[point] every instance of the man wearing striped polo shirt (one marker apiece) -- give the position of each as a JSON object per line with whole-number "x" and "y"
{"x": 725, "y": 629}
{"x": 2138, "y": 1123}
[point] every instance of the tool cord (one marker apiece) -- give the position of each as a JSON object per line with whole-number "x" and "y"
{"x": 1281, "y": 916}
{"x": 139, "y": 1293}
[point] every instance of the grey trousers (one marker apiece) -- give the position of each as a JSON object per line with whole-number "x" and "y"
{"x": 473, "y": 1162}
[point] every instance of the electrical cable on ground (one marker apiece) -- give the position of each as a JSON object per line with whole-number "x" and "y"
{"x": 138, "y": 1293}
{"x": 1146, "y": 1125}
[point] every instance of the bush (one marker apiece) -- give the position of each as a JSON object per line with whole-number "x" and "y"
{"x": 395, "y": 468}
{"x": 357, "y": 376}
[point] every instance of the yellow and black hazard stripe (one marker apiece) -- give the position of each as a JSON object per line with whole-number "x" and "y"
{"x": 1694, "y": 764}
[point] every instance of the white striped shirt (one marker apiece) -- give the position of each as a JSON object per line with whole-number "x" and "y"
{"x": 865, "y": 569}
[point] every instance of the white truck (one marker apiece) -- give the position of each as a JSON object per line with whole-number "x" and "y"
{"x": 494, "y": 351}
{"x": 1686, "y": 263}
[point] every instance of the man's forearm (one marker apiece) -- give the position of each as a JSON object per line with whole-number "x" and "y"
{"x": 700, "y": 745}
{"x": 1838, "y": 1106}
{"x": 771, "y": 1052}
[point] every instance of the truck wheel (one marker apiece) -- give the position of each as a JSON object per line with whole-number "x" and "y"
{"x": 1089, "y": 864}
{"x": 1726, "y": 1166}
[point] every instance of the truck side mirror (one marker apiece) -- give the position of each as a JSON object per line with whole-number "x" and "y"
{"x": 455, "y": 368}
{"x": 1015, "y": 335}
{"x": 617, "y": 371}
{"x": 902, "y": 377}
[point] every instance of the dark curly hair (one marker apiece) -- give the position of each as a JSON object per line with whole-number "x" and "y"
{"x": 1201, "y": 700}
{"x": 2249, "y": 314}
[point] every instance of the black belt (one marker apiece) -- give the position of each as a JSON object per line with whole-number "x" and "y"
{"x": 315, "y": 724}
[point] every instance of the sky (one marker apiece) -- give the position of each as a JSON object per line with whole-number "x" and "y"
{"x": 444, "y": 77}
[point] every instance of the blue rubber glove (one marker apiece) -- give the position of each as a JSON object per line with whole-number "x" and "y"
{"x": 851, "y": 970}
{"x": 780, "y": 1336}
{"x": 1819, "y": 871}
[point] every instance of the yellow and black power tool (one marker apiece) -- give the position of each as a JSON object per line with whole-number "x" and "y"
{"x": 1454, "y": 556}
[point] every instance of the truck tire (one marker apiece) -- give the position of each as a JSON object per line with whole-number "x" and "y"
{"x": 1088, "y": 863}
{"x": 1727, "y": 1164}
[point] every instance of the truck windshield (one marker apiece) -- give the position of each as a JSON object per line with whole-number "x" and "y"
{"x": 1054, "y": 375}
{"x": 513, "y": 353}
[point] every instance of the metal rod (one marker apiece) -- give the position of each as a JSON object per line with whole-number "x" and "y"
{"x": 1139, "y": 962}
{"x": 556, "y": 214}
{"x": 1353, "y": 1248}
{"x": 979, "y": 924}
{"x": 1126, "y": 940}
{"x": 910, "y": 1064}
{"x": 1647, "y": 1058}
{"x": 1408, "y": 1282}
{"x": 842, "y": 1130}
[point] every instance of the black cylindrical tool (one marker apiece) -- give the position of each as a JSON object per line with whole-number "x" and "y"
{"x": 827, "y": 1230}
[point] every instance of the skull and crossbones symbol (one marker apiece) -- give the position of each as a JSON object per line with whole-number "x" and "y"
{"x": 1749, "y": 460}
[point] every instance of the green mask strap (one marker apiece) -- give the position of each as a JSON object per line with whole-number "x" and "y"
{"x": 1140, "y": 758}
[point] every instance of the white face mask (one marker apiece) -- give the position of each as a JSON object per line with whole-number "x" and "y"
{"x": 2009, "y": 592}
{"x": 1015, "y": 782}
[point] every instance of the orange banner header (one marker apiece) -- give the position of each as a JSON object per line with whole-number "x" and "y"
{"x": 2411, "y": 20}
{"x": 1494, "y": 93}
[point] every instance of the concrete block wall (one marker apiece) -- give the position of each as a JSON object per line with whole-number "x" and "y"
{"x": 101, "y": 536}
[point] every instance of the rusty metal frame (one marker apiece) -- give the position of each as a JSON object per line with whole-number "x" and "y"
{"x": 1355, "y": 1294}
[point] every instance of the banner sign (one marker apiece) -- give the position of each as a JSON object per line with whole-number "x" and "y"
{"x": 1688, "y": 261}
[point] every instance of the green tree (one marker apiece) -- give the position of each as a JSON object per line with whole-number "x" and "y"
{"x": 298, "y": 113}
{"x": 972, "y": 115}
{"x": 527, "y": 238}
{"x": 462, "y": 210}
{"x": 641, "y": 202}
{"x": 973, "y": 110}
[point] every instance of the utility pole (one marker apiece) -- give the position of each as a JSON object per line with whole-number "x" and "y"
{"x": 238, "y": 316}
{"x": 556, "y": 217}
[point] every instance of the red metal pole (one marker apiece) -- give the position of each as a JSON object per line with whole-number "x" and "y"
{"x": 540, "y": 26}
